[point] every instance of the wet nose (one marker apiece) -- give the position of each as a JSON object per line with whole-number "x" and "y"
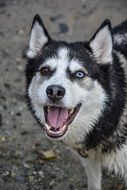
{"x": 55, "y": 92}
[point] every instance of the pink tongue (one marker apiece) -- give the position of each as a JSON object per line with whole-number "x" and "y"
{"x": 57, "y": 116}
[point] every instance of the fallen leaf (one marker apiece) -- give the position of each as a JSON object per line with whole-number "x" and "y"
{"x": 48, "y": 155}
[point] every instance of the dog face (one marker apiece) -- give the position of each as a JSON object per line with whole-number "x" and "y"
{"x": 67, "y": 82}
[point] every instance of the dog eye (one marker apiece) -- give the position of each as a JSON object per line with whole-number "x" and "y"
{"x": 45, "y": 71}
{"x": 79, "y": 74}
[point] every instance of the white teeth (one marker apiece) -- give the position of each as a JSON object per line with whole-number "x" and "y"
{"x": 57, "y": 132}
{"x": 48, "y": 127}
{"x": 48, "y": 108}
{"x": 72, "y": 110}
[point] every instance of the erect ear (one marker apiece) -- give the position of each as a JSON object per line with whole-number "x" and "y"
{"x": 38, "y": 37}
{"x": 101, "y": 43}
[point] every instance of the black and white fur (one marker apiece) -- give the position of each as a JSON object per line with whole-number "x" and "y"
{"x": 101, "y": 123}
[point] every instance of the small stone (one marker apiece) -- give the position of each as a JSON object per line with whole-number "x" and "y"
{"x": 18, "y": 153}
{"x": 18, "y": 60}
{"x": 34, "y": 172}
{"x": 41, "y": 161}
{"x": 41, "y": 174}
{"x": 6, "y": 173}
{"x": 39, "y": 179}
{"x": 33, "y": 148}
{"x": 31, "y": 178}
{"x": 2, "y": 139}
{"x": 52, "y": 183}
{"x": 12, "y": 113}
{"x": 21, "y": 32}
{"x": 13, "y": 174}
{"x": 26, "y": 165}
{"x": 20, "y": 68}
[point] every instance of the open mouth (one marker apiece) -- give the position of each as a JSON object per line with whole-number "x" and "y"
{"x": 58, "y": 119}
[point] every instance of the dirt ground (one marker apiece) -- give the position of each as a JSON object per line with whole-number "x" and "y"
{"x": 22, "y": 143}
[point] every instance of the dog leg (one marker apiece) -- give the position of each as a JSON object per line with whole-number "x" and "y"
{"x": 93, "y": 172}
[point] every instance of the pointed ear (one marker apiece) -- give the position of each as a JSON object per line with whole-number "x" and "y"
{"x": 101, "y": 43}
{"x": 39, "y": 37}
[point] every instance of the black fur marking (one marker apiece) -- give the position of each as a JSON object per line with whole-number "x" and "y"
{"x": 121, "y": 30}
{"x": 107, "y": 123}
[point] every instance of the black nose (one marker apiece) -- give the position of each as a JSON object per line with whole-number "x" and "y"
{"x": 55, "y": 92}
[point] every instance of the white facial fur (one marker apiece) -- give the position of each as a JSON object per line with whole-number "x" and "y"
{"x": 90, "y": 95}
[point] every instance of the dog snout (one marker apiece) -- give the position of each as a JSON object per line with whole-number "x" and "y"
{"x": 55, "y": 92}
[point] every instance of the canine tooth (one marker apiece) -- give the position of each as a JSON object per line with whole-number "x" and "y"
{"x": 48, "y": 127}
{"x": 71, "y": 111}
{"x": 48, "y": 108}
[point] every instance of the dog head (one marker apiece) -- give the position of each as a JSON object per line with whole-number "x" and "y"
{"x": 67, "y": 83}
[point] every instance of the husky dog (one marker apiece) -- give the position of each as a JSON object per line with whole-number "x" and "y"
{"x": 77, "y": 93}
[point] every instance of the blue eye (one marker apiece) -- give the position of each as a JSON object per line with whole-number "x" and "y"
{"x": 79, "y": 74}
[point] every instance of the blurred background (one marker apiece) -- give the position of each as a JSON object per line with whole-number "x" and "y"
{"x": 28, "y": 160}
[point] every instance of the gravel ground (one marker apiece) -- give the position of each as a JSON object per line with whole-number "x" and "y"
{"x": 23, "y": 164}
